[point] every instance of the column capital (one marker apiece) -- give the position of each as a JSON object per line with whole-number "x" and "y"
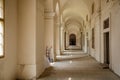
{"x": 49, "y": 14}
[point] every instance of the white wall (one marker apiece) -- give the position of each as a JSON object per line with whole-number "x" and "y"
{"x": 49, "y": 34}
{"x": 109, "y": 10}
{"x": 41, "y": 62}
{"x": 115, "y": 38}
{"x": 57, "y": 39}
{"x": 96, "y": 25}
{"x": 9, "y": 62}
{"x": 26, "y": 39}
{"x": 32, "y": 50}
{"x": 97, "y": 39}
{"x": 105, "y": 13}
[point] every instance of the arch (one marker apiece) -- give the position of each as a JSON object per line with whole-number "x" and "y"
{"x": 57, "y": 12}
{"x": 72, "y": 39}
{"x": 57, "y": 9}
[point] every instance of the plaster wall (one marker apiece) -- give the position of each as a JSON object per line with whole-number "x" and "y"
{"x": 41, "y": 60}
{"x": 96, "y": 52}
{"x": 8, "y": 64}
{"x": 49, "y": 28}
{"x": 57, "y": 39}
{"x": 97, "y": 39}
{"x": 109, "y": 10}
{"x": 95, "y": 23}
{"x": 49, "y": 35}
{"x": 115, "y": 38}
{"x": 26, "y": 39}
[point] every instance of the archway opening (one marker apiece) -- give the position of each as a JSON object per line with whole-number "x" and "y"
{"x": 72, "y": 40}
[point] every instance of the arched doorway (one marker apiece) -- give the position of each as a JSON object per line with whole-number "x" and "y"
{"x": 72, "y": 40}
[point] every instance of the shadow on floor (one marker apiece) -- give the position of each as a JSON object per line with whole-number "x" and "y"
{"x": 47, "y": 72}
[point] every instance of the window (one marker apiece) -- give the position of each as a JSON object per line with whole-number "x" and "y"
{"x": 93, "y": 38}
{"x": 93, "y": 8}
{"x": 107, "y": 1}
{"x": 83, "y": 23}
{"x": 106, "y": 23}
{"x": 2, "y": 28}
{"x": 87, "y": 18}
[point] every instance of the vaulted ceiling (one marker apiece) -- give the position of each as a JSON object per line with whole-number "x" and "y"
{"x": 75, "y": 9}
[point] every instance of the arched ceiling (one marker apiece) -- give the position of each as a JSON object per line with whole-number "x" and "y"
{"x": 87, "y": 2}
{"x": 73, "y": 29}
{"x": 75, "y": 9}
{"x": 73, "y": 26}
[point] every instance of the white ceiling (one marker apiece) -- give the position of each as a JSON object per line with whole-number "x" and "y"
{"x": 75, "y": 9}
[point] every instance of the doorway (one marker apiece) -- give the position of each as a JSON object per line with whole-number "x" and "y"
{"x": 72, "y": 40}
{"x": 106, "y": 48}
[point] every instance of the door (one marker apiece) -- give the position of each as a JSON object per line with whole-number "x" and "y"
{"x": 106, "y": 48}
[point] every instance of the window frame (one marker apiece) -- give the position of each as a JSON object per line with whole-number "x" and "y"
{"x": 3, "y": 20}
{"x": 86, "y": 17}
{"x": 93, "y": 8}
{"x": 93, "y": 38}
{"x": 107, "y": 1}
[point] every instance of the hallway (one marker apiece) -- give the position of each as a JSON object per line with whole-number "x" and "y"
{"x": 77, "y": 66}
{"x": 62, "y": 31}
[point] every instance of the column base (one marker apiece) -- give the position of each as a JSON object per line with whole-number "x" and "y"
{"x": 26, "y": 71}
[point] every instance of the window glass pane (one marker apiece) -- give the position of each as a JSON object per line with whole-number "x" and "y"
{"x": 1, "y": 27}
{"x": 1, "y": 9}
{"x": 1, "y": 50}
{"x": 106, "y": 23}
{"x": 1, "y": 39}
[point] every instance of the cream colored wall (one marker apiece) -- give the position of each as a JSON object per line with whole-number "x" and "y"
{"x": 95, "y": 23}
{"x": 109, "y": 10}
{"x": 41, "y": 63}
{"x": 105, "y": 13}
{"x": 9, "y": 62}
{"x": 49, "y": 27}
{"x": 27, "y": 39}
{"x": 32, "y": 39}
{"x": 62, "y": 38}
{"x": 115, "y": 38}
{"x": 57, "y": 39}
{"x": 57, "y": 27}
{"x": 97, "y": 39}
{"x": 49, "y": 34}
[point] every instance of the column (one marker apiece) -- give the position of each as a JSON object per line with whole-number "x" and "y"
{"x": 49, "y": 28}
{"x": 57, "y": 38}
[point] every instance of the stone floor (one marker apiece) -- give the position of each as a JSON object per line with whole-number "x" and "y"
{"x": 77, "y": 67}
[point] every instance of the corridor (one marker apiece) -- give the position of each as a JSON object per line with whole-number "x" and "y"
{"x": 78, "y": 36}
{"x": 77, "y": 66}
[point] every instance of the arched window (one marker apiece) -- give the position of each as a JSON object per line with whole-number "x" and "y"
{"x": 72, "y": 39}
